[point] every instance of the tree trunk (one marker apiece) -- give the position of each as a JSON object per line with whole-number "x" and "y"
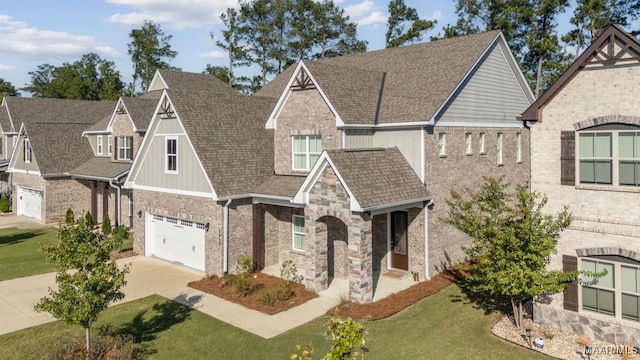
{"x": 86, "y": 339}
{"x": 516, "y": 305}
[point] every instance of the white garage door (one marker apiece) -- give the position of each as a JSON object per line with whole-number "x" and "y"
{"x": 30, "y": 203}
{"x": 175, "y": 240}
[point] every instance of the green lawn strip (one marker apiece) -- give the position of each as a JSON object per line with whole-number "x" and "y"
{"x": 440, "y": 326}
{"x": 20, "y": 252}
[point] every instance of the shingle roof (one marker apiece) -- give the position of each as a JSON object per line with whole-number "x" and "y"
{"x": 275, "y": 87}
{"x": 280, "y": 185}
{"x": 100, "y": 167}
{"x": 55, "y": 127}
{"x": 141, "y": 109}
{"x": 179, "y": 80}
{"x": 5, "y": 122}
{"x": 378, "y": 176}
{"x": 100, "y": 125}
{"x": 228, "y": 134}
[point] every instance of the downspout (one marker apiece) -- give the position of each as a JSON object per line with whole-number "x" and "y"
{"x": 118, "y": 210}
{"x": 426, "y": 239}
{"x": 225, "y": 235}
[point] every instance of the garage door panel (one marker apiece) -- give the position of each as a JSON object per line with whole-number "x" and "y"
{"x": 30, "y": 203}
{"x": 178, "y": 241}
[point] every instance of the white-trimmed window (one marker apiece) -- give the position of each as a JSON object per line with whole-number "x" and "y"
{"x": 442, "y": 144}
{"x": 99, "y": 144}
{"x": 615, "y": 294}
{"x": 306, "y": 150}
{"x": 124, "y": 148}
{"x": 109, "y": 145}
{"x": 609, "y": 158}
{"x": 27, "y": 151}
{"x": 298, "y": 232}
{"x": 467, "y": 143}
{"x": 518, "y": 147}
{"x": 499, "y": 147}
{"x": 171, "y": 154}
{"x": 481, "y": 143}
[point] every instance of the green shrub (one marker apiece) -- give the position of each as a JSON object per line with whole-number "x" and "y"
{"x": 106, "y": 225}
{"x": 88, "y": 220}
{"x": 245, "y": 264}
{"x": 244, "y": 284}
{"x": 4, "y": 203}
{"x": 69, "y": 217}
{"x": 280, "y": 292}
{"x": 348, "y": 339}
{"x": 289, "y": 272}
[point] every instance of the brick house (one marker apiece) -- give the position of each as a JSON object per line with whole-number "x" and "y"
{"x": 342, "y": 165}
{"x": 585, "y": 152}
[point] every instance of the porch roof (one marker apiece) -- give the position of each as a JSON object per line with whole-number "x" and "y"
{"x": 100, "y": 168}
{"x": 280, "y": 185}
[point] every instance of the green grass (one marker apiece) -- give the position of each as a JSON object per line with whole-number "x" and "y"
{"x": 20, "y": 252}
{"x": 443, "y": 326}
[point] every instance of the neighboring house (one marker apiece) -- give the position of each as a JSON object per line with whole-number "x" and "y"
{"x": 8, "y": 136}
{"x": 585, "y": 153}
{"x": 342, "y": 165}
{"x": 49, "y": 145}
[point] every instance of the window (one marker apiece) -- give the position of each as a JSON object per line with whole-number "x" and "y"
{"x": 616, "y": 294}
{"x": 27, "y": 151}
{"x": 306, "y": 150}
{"x": 124, "y": 148}
{"x": 171, "y": 151}
{"x": 499, "y": 147}
{"x": 99, "y": 144}
{"x": 109, "y": 145}
{"x": 481, "y": 143}
{"x": 596, "y": 158}
{"x": 609, "y": 158}
{"x": 467, "y": 143}
{"x": 629, "y": 158}
{"x": 518, "y": 147}
{"x": 298, "y": 232}
{"x": 442, "y": 143}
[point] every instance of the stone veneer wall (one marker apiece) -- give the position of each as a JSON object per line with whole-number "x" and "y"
{"x": 379, "y": 239}
{"x": 305, "y": 113}
{"x": 459, "y": 171}
{"x": 182, "y": 207}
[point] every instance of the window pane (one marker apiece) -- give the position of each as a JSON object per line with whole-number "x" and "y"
{"x": 315, "y": 144}
{"x": 626, "y": 173}
{"x": 589, "y": 298}
{"x": 588, "y": 266}
{"x": 629, "y": 278}
{"x": 300, "y": 162}
{"x": 299, "y": 144}
{"x": 630, "y": 307}
{"x": 603, "y": 145}
{"x": 298, "y": 242}
{"x": 587, "y": 171}
{"x": 606, "y": 302}
{"x": 298, "y": 224}
{"x": 586, "y": 145}
{"x": 313, "y": 159}
{"x": 603, "y": 172}
{"x": 625, "y": 145}
{"x": 607, "y": 280}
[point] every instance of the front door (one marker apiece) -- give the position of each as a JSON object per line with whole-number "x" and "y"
{"x": 399, "y": 248}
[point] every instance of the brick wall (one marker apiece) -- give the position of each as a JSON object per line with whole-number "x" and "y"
{"x": 305, "y": 113}
{"x": 182, "y": 207}
{"x": 122, "y": 126}
{"x": 459, "y": 171}
{"x": 240, "y": 231}
{"x": 63, "y": 194}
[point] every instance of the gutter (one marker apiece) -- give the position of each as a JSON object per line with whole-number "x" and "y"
{"x": 399, "y": 203}
{"x": 225, "y": 234}
{"x": 426, "y": 240}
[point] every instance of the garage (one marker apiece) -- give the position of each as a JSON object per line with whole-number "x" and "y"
{"x": 30, "y": 203}
{"x": 175, "y": 240}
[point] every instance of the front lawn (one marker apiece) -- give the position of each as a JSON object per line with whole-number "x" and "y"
{"x": 442, "y": 326}
{"x": 20, "y": 252}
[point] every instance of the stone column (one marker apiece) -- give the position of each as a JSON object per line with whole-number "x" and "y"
{"x": 316, "y": 275}
{"x": 360, "y": 259}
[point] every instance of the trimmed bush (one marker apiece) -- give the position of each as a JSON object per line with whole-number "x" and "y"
{"x": 88, "y": 220}
{"x": 106, "y": 225}
{"x": 4, "y": 203}
{"x": 69, "y": 217}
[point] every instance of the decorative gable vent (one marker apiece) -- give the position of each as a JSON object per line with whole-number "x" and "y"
{"x": 302, "y": 81}
{"x": 166, "y": 110}
{"x": 121, "y": 109}
{"x": 614, "y": 52}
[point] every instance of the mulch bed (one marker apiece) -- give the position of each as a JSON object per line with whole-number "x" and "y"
{"x": 124, "y": 253}
{"x": 378, "y": 310}
{"x": 213, "y": 285}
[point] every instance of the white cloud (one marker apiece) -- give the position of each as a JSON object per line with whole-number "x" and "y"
{"x": 375, "y": 17}
{"x": 7, "y": 67}
{"x": 213, "y": 55}
{"x": 366, "y": 13}
{"x": 19, "y": 40}
{"x": 359, "y": 10}
{"x": 437, "y": 15}
{"x": 176, "y": 14}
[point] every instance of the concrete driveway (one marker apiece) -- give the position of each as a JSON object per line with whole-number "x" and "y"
{"x": 20, "y": 222}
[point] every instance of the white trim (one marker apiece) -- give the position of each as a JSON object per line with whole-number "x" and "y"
{"x": 423, "y": 134}
{"x": 442, "y": 144}
{"x": 110, "y": 145}
{"x": 468, "y": 149}
{"x": 399, "y": 206}
{"x": 388, "y": 240}
{"x": 167, "y": 138}
{"x": 307, "y": 150}
{"x": 415, "y": 124}
{"x": 273, "y": 200}
{"x": 27, "y": 150}
{"x": 173, "y": 191}
{"x": 482, "y": 146}
{"x": 515, "y": 68}
{"x": 94, "y": 132}
{"x": 99, "y": 145}
{"x": 22, "y": 171}
{"x": 499, "y": 148}
{"x": 294, "y": 233}
{"x": 493, "y": 125}
{"x": 114, "y": 115}
{"x": 124, "y": 147}
{"x": 518, "y": 147}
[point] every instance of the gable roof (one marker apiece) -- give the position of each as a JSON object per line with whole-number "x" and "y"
{"x": 280, "y": 185}
{"x": 629, "y": 52}
{"x": 228, "y": 135}
{"x": 54, "y": 128}
{"x": 374, "y": 178}
{"x": 180, "y": 80}
{"x": 5, "y": 120}
{"x": 397, "y": 85}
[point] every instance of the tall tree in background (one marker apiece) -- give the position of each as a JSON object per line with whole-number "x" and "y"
{"x": 591, "y": 17}
{"x": 7, "y": 89}
{"x": 90, "y": 78}
{"x": 336, "y": 34}
{"x": 150, "y": 50}
{"x": 257, "y": 34}
{"x": 231, "y": 42}
{"x": 399, "y": 15}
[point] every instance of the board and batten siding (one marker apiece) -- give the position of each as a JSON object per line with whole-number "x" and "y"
{"x": 409, "y": 142}
{"x": 20, "y": 163}
{"x": 190, "y": 176}
{"x": 358, "y": 138}
{"x": 493, "y": 94}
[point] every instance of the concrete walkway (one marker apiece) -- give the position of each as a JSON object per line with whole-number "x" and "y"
{"x": 20, "y": 222}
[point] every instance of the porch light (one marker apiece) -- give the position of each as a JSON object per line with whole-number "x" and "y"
{"x": 528, "y": 331}
{"x": 139, "y": 213}
{"x": 206, "y": 227}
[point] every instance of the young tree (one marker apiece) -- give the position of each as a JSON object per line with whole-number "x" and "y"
{"x": 7, "y": 89}
{"x": 88, "y": 278}
{"x": 257, "y": 33}
{"x": 150, "y": 50}
{"x": 512, "y": 242}
{"x": 231, "y": 43}
{"x": 399, "y": 15}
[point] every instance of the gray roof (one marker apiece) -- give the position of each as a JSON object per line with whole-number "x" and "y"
{"x": 100, "y": 168}
{"x": 378, "y": 176}
{"x": 228, "y": 134}
{"x": 141, "y": 109}
{"x": 418, "y": 79}
{"x": 100, "y": 125}
{"x": 179, "y": 80}
{"x": 55, "y": 127}
{"x": 5, "y": 122}
{"x": 280, "y": 185}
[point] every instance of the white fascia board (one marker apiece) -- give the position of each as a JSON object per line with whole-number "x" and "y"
{"x": 481, "y": 125}
{"x": 95, "y": 132}
{"x": 12, "y": 161}
{"x": 407, "y": 124}
{"x": 276, "y": 200}
{"x": 20, "y": 171}
{"x": 401, "y": 205}
{"x": 174, "y": 191}
{"x": 115, "y": 114}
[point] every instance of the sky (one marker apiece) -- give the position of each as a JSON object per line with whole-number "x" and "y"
{"x": 54, "y": 32}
